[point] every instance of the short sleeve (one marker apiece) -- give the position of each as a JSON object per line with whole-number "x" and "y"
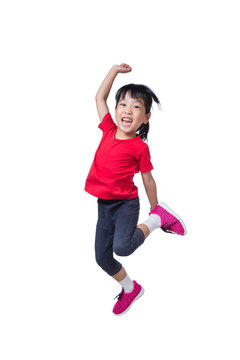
{"x": 144, "y": 161}
{"x": 107, "y": 123}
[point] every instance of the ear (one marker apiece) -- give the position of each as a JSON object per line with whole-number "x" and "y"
{"x": 147, "y": 118}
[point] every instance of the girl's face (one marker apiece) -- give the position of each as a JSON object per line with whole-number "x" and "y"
{"x": 130, "y": 114}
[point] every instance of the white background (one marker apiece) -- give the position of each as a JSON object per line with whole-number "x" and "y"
{"x": 56, "y": 303}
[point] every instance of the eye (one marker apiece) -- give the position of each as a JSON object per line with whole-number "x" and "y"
{"x": 137, "y": 107}
{"x": 122, "y": 104}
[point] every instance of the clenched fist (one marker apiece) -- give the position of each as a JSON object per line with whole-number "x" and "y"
{"x": 123, "y": 68}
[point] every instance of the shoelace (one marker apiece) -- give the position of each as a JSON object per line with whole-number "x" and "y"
{"x": 119, "y": 296}
{"x": 165, "y": 227}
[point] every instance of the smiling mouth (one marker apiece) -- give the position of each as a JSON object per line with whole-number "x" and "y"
{"x": 126, "y": 121}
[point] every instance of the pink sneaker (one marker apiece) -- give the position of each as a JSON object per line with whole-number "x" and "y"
{"x": 170, "y": 222}
{"x": 125, "y": 300}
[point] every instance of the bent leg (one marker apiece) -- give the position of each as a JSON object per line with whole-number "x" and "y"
{"x": 144, "y": 229}
{"x": 127, "y": 237}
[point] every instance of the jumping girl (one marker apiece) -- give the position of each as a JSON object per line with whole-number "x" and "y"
{"x": 122, "y": 153}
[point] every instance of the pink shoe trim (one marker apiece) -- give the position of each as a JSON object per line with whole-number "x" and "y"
{"x": 170, "y": 221}
{"x": 125, "y": 300}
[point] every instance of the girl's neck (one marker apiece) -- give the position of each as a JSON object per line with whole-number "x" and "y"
{"x": 122, "y": 136}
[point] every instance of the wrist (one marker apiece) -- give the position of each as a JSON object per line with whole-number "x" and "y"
{"x": 115, "y": 69}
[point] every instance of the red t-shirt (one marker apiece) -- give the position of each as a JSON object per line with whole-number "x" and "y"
{"x": 115, "y": 163}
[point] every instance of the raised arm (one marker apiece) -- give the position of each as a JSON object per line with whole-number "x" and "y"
{"x": 105, "y": 87}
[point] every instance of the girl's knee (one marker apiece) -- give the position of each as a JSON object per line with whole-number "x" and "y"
{"x": 121, "y": 250}
{"x": 110, "y": 265}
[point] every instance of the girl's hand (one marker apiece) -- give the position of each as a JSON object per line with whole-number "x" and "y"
{"x": 123, "y": 68}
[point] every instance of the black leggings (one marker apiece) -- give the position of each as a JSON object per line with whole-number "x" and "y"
{"x": 116, "y": 232}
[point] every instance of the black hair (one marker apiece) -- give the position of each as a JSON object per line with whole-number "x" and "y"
{"x": 139, "y": 92}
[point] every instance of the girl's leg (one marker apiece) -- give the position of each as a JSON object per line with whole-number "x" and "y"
{"x": 104, "y": 245}
{"x": 104, "y": 241}
{"x": 144, "y": 229}
{"x": 127, "y": 237}
{"x": 124, "y": 280}
{"x": 120, "y": 275}
{"x": 151, "y": 223}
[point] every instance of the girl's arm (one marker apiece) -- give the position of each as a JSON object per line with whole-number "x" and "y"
{"x": 103, "y": 91}
{"x": 151, "y": 188}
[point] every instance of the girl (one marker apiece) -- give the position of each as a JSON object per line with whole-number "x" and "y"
{"x": 121, "y": 153}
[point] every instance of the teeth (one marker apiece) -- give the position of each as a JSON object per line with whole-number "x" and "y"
{"x": 125, "y": 119}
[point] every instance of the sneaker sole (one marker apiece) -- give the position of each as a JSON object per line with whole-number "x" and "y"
{"x": 163, "y": 205}
{"x": 136, "y": 298}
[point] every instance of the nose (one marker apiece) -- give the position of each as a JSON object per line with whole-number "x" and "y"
{"x": 128, "y": 109}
